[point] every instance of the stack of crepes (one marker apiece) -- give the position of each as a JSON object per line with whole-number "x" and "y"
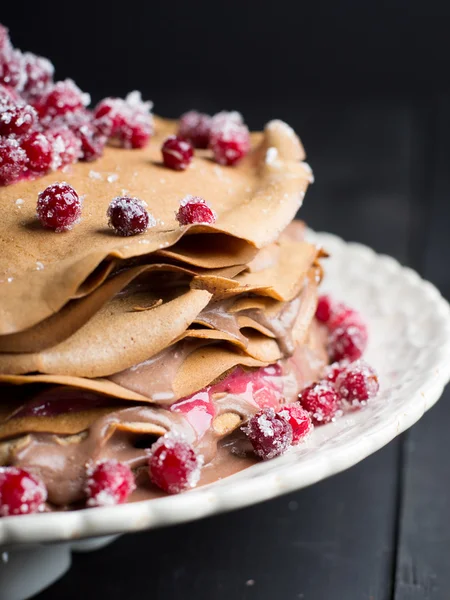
{"x": 107, "y": 342}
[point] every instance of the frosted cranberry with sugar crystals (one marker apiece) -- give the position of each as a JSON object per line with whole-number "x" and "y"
{"x": 343, "y": 315}
{"x": 109, "y": 482}
{"x": 177, "y": 153}
{"x": 59, "y": 207}
{"x": 12, "y": 70}
{"x": 347, "y": 342}
{"x": 194, "y": 209}
{"x": 39, "y": 150}
{"x": 299, "y": 420}
{"x": 13, "y": 161}
{"x": 39, "y": 73}
{"x": 229, "y": 143}
{"x": 269, "y": 433}
{"x": 129, "y": 216}
{"x": 333, "y": 371}
{"x": 195, "y": 127}
{"x": 64, "y": 97}
{"x": 17, "y": 120}
{"x": 321, "y": 401}
{"x": 20, "y": 492}
{"x": 324, "y": 309}
{"x": 357, "y": 384}
{"x": 66, "y": 146}
{"x": 174, "y": 466}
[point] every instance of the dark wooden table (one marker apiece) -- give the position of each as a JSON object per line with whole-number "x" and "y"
{"x": 379, "y": 531}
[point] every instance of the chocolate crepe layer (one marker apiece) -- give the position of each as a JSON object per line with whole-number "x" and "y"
{"x": 41, "y": 271}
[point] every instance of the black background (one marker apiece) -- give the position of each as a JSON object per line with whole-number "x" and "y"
{"x": 367, "y": 86}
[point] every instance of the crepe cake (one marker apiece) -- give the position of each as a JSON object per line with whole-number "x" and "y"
{"x": 157, "y": 312}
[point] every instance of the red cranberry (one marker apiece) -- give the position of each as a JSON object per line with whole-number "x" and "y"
{"x": 129, "y": 216}
{"x": 343, "y": 315}
{"x": 39, "y": 73}
{"x": 92, "y": 144}
{"x": 321, "y": 401}
{"x": 8, "y": 97}
{"x": 230, "y": 143}
{"x": 357, "y": 384}
{"x": 194, "y": 209}
{"x": 324, "y": 309}
{"x": 64, "y": 97}
{"x": 59, "y": 207}
{"x": 195, "y": 127}
{"x": 5, "y": 42}
{"x": 66, "y": 146}
{"x": 269, "y": 433}
{"x": 12, "y": 70}
{"x": 177, "y": 153}
{"x": 109, "y": 482}
{"x": 39, "y": 150}
{"x": 128, "y": 121}
{"x": 174, "y": 466}
{"x": 17, "y": 120}
{"x": 13, "y": 161}
{"x": 20, "y": 492}
{"x": 333, "y": 371}
{"x": 347, "y": 342}
{"x": 299, "y": 420}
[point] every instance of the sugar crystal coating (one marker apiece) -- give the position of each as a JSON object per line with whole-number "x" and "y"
{"x": 40, "y": 152}
{"x": 229, "y": 138}
{"x": 269, "y": 433}
{"x": 13, "y": 161}
{"x": 357, "y": 384}
{"x": 194, "y": 209}
{"x": 348, "y": 342}
{"x": 109, "y": 482}
{"x": 321, "y": 401}
{"x": 59, "y": 207}
{"x": 129, "y": 216}
{"x": 195, "y": 127}
{"x": 174, "y": 466}
{"x": 20, "y": 492}
{"x": 177, "y": 153}
{"x": 299, "y": 419}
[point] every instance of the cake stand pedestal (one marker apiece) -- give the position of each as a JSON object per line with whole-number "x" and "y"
{"x": 26, "y": 570}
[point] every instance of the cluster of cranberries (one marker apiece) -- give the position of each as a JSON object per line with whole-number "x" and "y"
{"x": 59, "y": 208}
{"x": 173, "y": 466}
{"x": 348, "y": 384}
{"x": 45, "y": 125}
{"x": 225, "y": 134}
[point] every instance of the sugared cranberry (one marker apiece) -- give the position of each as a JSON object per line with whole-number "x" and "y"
{"x": 66, "y": 146}
{"x": 343, "y": 315}
{"x": 299, "y": 420}
{"x": 174, "y": 466}
{"x": 321, "y": 401}
{"x": 20, "y": 492}
{"x": 59, "y": 207}
{"x": 333, "y": 371}
{"x": 194, "y": 209}
{"x": 324, "y": 309}
{"x": 92, "y": 144}
{"x": 127, "y": 121}
{"x": 225, "y": 118}
{"x": 39, "y": 73}
{"x": 17, "y": 120}
{"x": 177, "y": 153}
{"x": 8, "y": 97}
{"x": 347, "y": 342}
{"x": 357, "y": 384}
{"x": 129, "y": 216}
{"x": 12, "y": 70}
{"x": 269, "y": 433}
{"x": 64, "y": 97}
{"x": 39, "y": 150}
{"x": 230, "y": 143}
{"x": 13, "y": 161}
{"x": 5, "y": 42}
{"x": 195, "y": 127}
{"x": 109, "y": 482}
